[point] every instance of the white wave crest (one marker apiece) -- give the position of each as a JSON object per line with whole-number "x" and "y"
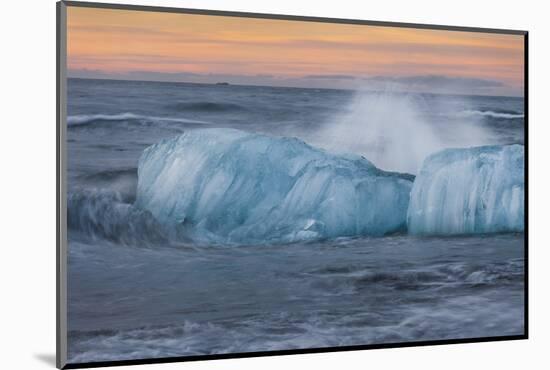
{"x": 84, "y": 119}
{"x": 391, "y": 130}
{"x": 488, "y": 113}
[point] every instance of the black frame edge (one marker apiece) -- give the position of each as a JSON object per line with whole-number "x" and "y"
{"x": 58, "y": 173}
{"x": 61, "y": 279}
{"x": 225, "y": 13}
{"x": 526, "y": 179}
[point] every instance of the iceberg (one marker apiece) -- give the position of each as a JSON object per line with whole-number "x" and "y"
{"x": 466, "y": 191}
{"x": 228, "y": 186}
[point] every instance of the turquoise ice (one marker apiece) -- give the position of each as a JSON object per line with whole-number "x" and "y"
{"x": 230, "y": 186}
{"x": 465, "y": 191}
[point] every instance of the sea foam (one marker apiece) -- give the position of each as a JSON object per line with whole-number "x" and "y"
{"x": 86, "y": 119}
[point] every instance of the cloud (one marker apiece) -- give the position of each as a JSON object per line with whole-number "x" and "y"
{"x": 410, "y": 49}
{"x": 440, "y": 84}
{"x": 132, "y": 75}
{"x": 258, "y": 79}
{"x": 330, "y": 77}
{"x": 160, "y": 76}
{"x": 438, "y": 81}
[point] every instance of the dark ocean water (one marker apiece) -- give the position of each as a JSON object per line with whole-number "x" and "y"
{"x": 134, "y": 294}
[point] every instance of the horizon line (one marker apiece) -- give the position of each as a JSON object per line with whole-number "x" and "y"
{"x": 287, "y": 87}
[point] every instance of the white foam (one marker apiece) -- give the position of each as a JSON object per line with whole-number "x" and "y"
{"x": 488, "y": 113}
{"x": 391, "y": 130}
{"x": 83, "y": 119}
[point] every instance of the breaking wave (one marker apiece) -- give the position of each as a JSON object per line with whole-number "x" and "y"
{"x": 393, "y": 131}
{"x": 102, "y": 214}
{"x": 123, "y": 182}
{"x": 86, "y": 119}
{"x": 492, "y": 114}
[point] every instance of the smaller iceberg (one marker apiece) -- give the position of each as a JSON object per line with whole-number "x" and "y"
{"x": 230, "y": 186}
{"x": 466, "y": 191}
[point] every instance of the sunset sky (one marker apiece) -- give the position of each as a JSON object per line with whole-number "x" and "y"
{"x": 137, "y": 45}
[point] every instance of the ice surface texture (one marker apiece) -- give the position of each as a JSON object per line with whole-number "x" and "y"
{"x": 464, "y": 191}
{"x": 229, "y": 186}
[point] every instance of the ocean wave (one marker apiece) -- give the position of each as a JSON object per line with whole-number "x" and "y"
{"x": 122, "y": 181}
{"x": 493, "y": 114}
{"x": 85, "y": 119}
{"x": 198, "y": 338}
{"x": 471, "y": 316}
{"x": 103, "y": 214}
{"x": 353, "y": 279}
{"x": 446, "y": 275}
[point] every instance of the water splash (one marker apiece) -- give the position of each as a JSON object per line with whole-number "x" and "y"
{"x": 396, "y": 132}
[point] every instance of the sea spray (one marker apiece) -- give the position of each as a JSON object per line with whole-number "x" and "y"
{"x": 395, "y": 131}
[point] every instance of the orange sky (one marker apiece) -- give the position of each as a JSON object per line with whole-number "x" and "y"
{"x": 108, "y": 42}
